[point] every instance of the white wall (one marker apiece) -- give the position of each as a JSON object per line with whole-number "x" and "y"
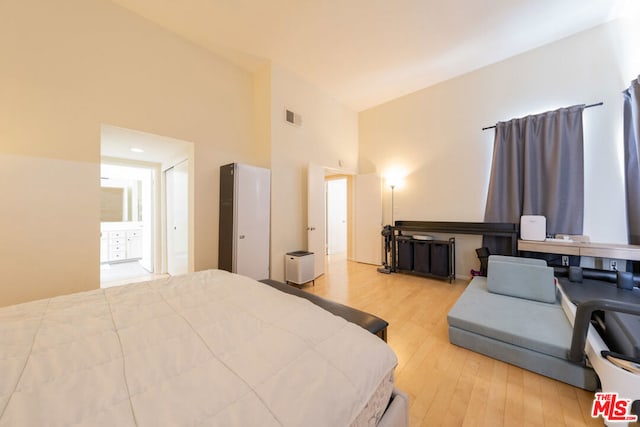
{"x": 68, "y": 66}
{"x": 328, "y": 135}
{"x": 435, "y": 134}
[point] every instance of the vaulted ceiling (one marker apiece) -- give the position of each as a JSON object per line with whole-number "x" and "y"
{"x": 366, "y": 52}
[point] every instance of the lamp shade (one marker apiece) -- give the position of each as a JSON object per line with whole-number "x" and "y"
{"x": 394, "y": 178}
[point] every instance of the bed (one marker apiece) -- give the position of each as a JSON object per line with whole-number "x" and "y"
{"x": 208, "y": 348}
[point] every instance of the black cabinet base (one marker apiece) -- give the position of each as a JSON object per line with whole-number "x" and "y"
{"x": 426, "y": 258}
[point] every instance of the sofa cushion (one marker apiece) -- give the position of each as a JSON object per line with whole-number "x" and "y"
{"x": 525, "y": 323}
{"x": 553, "y": 367}
{"x": 521, "y": 277}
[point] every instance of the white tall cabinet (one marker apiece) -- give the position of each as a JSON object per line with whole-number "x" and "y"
{"x": 244, "y": 226}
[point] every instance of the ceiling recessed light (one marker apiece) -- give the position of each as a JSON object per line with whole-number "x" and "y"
{"x": 137, "y": 150}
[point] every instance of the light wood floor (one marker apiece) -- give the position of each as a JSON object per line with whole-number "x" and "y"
{"x": 449, "y": 385}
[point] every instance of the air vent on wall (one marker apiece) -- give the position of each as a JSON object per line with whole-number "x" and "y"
{"x": 293, "y": 118}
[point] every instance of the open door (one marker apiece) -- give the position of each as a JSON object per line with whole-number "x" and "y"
{"x": 177, "y": 190}
{"x": 316, "y": 223}
{"x": 368, "y": 219}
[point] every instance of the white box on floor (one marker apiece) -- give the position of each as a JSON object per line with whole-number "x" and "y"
{"x": 299, "y": 267}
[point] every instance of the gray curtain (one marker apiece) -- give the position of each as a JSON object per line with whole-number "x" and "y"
{"x": 538, "y": 169}
{"x": 632, "y": 159}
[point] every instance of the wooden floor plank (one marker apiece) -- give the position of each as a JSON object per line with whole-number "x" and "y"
{"x": 446, "y": 384}
{"x": 474, "y": 412}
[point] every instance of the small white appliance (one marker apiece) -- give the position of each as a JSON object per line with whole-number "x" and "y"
{"x": 533, "y": 227}
{"x": 299, "y": 267}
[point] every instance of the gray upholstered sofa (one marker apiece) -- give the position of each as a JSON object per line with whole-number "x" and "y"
{"x": 515, "y": 315}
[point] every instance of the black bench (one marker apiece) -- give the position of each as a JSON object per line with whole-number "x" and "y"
{"x": 371, "y": 323}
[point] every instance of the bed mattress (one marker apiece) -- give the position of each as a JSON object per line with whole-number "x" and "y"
{"x": 210, "y": 348}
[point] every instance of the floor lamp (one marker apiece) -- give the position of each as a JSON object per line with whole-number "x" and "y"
{"x": 387, "y": 232}
{"x": 393, "y": 186}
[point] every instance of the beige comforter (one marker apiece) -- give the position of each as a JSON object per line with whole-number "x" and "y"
{"x": 210, "y": 348}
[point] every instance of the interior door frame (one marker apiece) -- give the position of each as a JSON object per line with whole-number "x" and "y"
{"x": 320, "y": 266}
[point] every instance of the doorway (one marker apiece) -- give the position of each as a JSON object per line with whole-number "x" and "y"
{"x": 321, "y": 223}
{"x": 127, "y": 217}
{"x": 357, "y": 195}
{"x": 143, "y": 200}
{"x": 364, "y": 216}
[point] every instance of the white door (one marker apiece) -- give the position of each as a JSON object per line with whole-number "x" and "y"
{"x": 316, "y": 216}
{"x": 253, "y": 203}
{"x": 177, "y": 197}
{"x": 337, "y": 216}
{"x": 368, "y": 219}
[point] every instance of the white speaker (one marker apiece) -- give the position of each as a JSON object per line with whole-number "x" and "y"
{"x": 533, "y": 227}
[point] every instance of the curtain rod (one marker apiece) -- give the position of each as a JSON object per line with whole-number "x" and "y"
{"x": 597, "y": 104}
